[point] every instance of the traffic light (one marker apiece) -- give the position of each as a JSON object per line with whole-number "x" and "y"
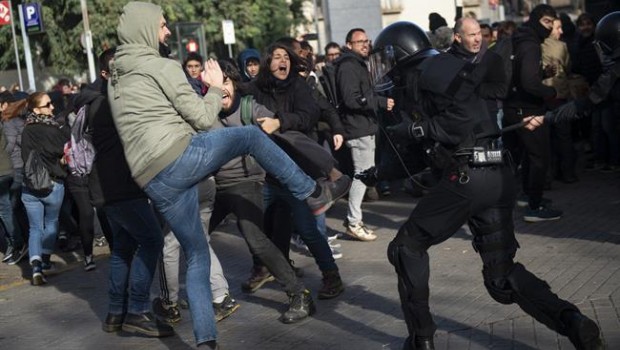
{"x": 186, "y": 38}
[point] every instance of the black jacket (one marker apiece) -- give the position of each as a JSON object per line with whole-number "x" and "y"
{"x": 531, "y": 93}
{"x": 292, "y": 102}
{"x": 49, "y": 141}
{"x": 110, "y": 166}
{"x": 358, "y": 100}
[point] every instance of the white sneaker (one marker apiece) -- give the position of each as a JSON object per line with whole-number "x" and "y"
{"x": 360, "y": 232}
{"x": 336, "y": 253}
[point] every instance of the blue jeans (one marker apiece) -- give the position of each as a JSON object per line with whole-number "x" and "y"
{"x": 6, "y": 212}
{"x": 138, "y": 240}
{"x": 305, "y": 224}
{"x": 175, "y": 195}
{"x": 43, "y": 218}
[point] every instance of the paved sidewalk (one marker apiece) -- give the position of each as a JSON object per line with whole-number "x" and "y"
{"x": 579, "y": 256}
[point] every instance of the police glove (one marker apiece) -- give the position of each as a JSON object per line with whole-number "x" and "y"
{"x": 406, "y": 130}
{"x": 568, "y": 111}
{"x": 370, "y": 176}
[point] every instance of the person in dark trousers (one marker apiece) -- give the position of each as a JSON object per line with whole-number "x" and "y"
{"x": 451, "y": 120}
{"x": 529, "y": 96}
{"x": 136, "y": 231}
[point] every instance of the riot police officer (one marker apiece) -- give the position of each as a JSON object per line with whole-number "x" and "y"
{"x": 476, "y": 186}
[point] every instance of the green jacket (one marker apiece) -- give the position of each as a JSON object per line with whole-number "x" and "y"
{"x": 155, "y": 110}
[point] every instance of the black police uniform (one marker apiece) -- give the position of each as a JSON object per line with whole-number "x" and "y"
{"x": 455, "y": 118}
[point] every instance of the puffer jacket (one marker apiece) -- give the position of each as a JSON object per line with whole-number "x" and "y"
{"x": 155, "y": 110}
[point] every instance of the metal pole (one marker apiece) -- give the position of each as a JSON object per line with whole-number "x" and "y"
{"x": 27, "y": 56}
{"x": 88, "y": 36}
{"x": 316, "y": 26}
{"x": 19, "y": 68}
{"x": 230, "y": 51}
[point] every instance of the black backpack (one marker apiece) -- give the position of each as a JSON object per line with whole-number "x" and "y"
{"x": 505, "y": 49}
{"x": 36, "y": 177}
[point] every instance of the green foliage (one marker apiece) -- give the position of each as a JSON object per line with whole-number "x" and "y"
{"x": 257, "y": 23}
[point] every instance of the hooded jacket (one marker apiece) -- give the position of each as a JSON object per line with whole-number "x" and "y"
{"x": 244, "y": 56}
{"x": 530, "y": 93}
{"x": 155, "y": 110}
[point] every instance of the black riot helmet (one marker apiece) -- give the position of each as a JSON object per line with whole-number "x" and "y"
{"x": 607, "y": 37}
{"x": 398, "y": 45}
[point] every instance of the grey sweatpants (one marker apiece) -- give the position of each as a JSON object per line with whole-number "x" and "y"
{"x": 169, "y": 267}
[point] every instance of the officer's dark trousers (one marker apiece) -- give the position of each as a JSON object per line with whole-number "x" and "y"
{"x": 485, "y": 203}
{"x": 533, "y": 150}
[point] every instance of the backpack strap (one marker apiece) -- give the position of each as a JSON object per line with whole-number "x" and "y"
{"x": 246, "y": 110}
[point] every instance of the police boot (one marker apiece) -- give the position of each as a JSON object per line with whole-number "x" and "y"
{"x": 582, "y": 331}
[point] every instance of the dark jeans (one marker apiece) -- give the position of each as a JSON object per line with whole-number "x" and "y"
{"x": 245, "y": 200}
{"x": 138, "y": 242}
{"x": 78, "y": 189}
{"x": 304, "y": 223}
{"x": 533, "y": 149}
{"x": 563, "y": 151}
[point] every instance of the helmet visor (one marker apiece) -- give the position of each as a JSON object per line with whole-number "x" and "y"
{"x": 380, "y": 63}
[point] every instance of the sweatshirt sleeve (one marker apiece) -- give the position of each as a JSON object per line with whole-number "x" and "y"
{"x": 199, "y": 112}
{"x": 530, "y": 74}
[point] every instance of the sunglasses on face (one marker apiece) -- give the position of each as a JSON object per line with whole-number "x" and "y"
{"x": 47, "y": 105}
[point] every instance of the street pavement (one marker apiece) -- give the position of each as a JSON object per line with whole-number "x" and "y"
{"x": 579, "y": 256}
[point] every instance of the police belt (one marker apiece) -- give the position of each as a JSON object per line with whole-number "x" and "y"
{"x": 480, "y": 156}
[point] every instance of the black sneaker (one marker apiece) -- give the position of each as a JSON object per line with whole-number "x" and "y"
{"x": 17, "y": 255}
{"x": 146, "y": 324}
{"x": 167, "y": 313}
{"x": 332, "y": 285}
{"x": 583, "y": 332}
{"x": 113, "y": 323}
{"x": 301, "y": 306}
{"x": 330, "y": 192}
{"x": 260, "y": 275}
{"x": 9, "y": 254}
{"x": 89, "y": 263}
{"x": 226, "y": 308}
{"x": 38, "y": 277}
{"x": 542, "y": 213}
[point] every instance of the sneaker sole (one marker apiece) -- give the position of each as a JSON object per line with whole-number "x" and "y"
{"x": 359, "y": 238}
{"x": 219, "y": 317}
{"x": 538, "y": 219}
{"x": 258, "y": 286}
{"x": 111, "y": 328}
{"x": 329, "y": 204}
{"x": 38, "y": 280}
{"x": 135, "y": 329}
{"x": 90, "y": 267}
{"x": 7, "y": 258}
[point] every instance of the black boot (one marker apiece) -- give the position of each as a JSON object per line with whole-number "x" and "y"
{"x": 332, "y": 285}
{"x": 424, "y": 343}
{"x": 582, "y": 331}
{"x": 146, "y": 324}
{"x": 301, "y": 306}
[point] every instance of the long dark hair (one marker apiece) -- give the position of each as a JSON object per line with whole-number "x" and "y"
{"x": 264, "y": 79}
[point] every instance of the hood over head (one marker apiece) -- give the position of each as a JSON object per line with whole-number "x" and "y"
{"x": 139, "y": 24}
{"x": 244, "y": 56}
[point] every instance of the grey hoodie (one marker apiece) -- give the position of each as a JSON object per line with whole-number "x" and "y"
{"x": 155, "y": 110}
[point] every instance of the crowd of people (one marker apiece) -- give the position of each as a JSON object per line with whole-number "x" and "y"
{"x": 275, "y": 138}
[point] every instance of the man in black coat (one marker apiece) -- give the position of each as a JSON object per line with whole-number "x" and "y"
{"x": 359, "y": 105}
{"x": 528, "y": 97}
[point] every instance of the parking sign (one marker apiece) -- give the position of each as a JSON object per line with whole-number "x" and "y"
{"x": 32, "y": 18}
